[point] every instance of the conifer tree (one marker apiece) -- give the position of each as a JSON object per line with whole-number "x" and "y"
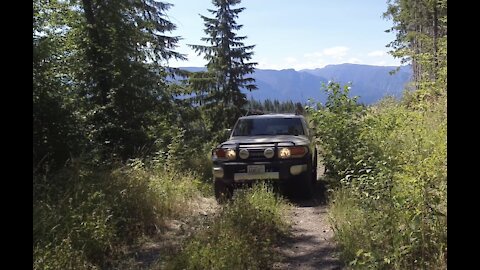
{"x": 219, "y": 89}
{"x": 126, "y": 47}
{"x": 421, "y": 38}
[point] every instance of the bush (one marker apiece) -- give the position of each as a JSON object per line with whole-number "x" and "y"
{"x": 241, "y": 237}
{"x": 337, "y": 125}
{"x": 390, "y": 211}
{"x": 85, "y": 222}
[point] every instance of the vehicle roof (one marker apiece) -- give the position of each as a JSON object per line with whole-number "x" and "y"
{"x": 273, "y": 115}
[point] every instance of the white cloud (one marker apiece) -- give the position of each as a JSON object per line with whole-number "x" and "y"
{"x": 314, "y": 54}
{"x": 377, "y": 53}
{"x": 380, "y": 63}
{"x": 291, "y": 60}
{"x": 327, "y": 56}
{"x": 336, "y": 52}
{"x": 354, "y": 60}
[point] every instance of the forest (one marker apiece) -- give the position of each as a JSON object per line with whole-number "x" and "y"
{"x": 120, "y": 150}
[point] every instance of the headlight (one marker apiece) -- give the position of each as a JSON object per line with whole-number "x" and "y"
{"x": 284, "y": 153}
{"x": 231, "y": 155}
{"x": 292, "y": 152}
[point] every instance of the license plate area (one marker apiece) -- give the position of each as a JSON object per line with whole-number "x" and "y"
{"x": 255, "y": 169}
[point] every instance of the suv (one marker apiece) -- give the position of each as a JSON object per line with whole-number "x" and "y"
{"x": 275, "y": 147}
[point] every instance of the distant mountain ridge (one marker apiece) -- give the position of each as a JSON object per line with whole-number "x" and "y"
{"x": 371, "y": 83}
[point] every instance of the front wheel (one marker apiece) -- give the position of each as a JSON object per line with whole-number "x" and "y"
{"x": 314, "y": 167}
{"x": 305, "y": 187}
{"x": 223, "y": 192}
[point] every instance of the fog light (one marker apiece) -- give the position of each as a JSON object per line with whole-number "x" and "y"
{"x": 268, "y": 153}
{"x": 218, "y": 172}
{"x": 298, "y": 169}
{"x": 244, "y": 154}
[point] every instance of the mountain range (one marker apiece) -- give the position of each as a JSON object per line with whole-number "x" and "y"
{"x": 370, "y": 83}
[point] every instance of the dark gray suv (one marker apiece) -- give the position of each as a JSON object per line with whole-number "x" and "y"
{"x": 276, "y": 147}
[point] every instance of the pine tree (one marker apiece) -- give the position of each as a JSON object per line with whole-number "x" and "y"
{"x": 125, "y": 88}
{"x": 219, "y": 89}
{"x": 421, "y": 38}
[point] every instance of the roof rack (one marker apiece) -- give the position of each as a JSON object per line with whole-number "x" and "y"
{"x": 254, "y": 112}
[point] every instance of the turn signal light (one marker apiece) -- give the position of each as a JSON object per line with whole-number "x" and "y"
{"x": 220, "y": 153}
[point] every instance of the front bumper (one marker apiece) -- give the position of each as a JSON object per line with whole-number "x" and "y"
{"x": 278, "y": 170}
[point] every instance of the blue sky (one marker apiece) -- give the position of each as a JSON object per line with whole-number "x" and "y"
{"x": 295, "y": 34}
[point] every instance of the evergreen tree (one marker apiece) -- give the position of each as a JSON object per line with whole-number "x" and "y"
{"x": 100, "y": 78}
{"x": 421, "y": 38}
{"x": 219, "y": 89}
{"x": 125, "y": 47}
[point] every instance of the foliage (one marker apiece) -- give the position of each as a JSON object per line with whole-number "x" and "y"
{"x": 57, "y": 128}
{"x": 400, "y": 199}
{"x": 421, "y": 38}
{"x": 390, "y": 211}
{"x": 241, "y": 237}
{"x": 275, "y": 106}
{"x": 84, "y": 222}
{"x": 337, "y": 125}
{"x": 99, "y": 79}
{"x": 219, "y": 89}
{"x": 123, "y": 91}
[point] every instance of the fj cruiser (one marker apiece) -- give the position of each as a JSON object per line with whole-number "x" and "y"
{"x": 275, "y": 147}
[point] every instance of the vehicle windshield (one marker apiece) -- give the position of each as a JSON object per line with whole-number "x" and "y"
{"x": 268, "y": 126}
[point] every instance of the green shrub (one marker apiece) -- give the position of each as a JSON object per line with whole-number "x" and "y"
{"x": 336, "y": 125}
{"x": 390, "y": 211}
{"x": 85, "y": 222}
{"x": 241, "y": 237}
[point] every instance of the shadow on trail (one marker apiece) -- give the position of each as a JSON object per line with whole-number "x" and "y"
{"x": 310, "y": 244}
{"x": 306, "y": 251}
{"x": 319, "y": 196}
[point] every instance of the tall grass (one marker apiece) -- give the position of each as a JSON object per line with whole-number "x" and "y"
{"x": 401, "y": 200}
{"x": 390, "y": 209}
{"x": 241, "y": 237}
{"x": 84, "y": 215}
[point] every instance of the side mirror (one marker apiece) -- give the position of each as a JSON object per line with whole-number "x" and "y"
{"x": 228, "y": 131}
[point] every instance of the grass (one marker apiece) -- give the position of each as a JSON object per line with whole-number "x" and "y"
{"x": 84, "y": 216}
{"x": 392, "y": 214}
{"x": 241, "y": 236}
{"x": 91, "y": 217}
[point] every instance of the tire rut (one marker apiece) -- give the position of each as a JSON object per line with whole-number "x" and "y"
{"x": 311, "y": 244}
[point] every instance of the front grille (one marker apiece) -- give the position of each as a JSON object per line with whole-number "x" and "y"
{"x": 256, "y": 153}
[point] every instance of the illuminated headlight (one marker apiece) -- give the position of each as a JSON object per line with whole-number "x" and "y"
{"x": 284, "y": 153}
{"x": 293, "y": 152}
{"x": 230, "y": 153}
{"x": 268, "y": 153}
{"x": 243, "y": 154}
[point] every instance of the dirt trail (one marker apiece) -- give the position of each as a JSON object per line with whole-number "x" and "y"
{"x": 311, "y": 245}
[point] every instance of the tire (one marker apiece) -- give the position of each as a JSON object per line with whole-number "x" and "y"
{"x": 223, "y": 192}
{"x": 314, "y": 169}
{"x": 305, "y": 187}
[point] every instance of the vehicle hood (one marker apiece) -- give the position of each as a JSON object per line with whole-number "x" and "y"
{"x": 298, "y": 140}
